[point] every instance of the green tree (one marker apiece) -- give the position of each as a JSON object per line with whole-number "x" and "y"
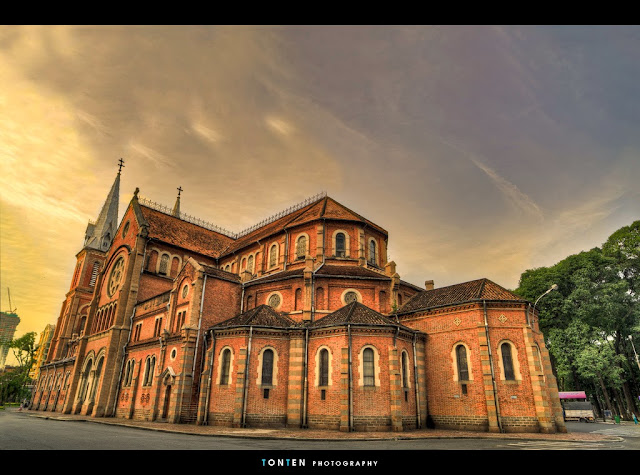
{"x": 14, "y": 383}
{"x": 588, "y": 320}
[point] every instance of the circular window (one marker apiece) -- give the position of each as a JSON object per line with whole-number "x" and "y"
{"x": 117, "y": 272}
{"x": 174, "y": 353}
{"x": 185, "y": 291}
{"x": 274, "y": 301}
{"x": 126, "y": 229}
{"x": 350, "y": 296}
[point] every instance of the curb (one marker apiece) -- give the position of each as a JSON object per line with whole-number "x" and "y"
{"x": 391, "y": 437}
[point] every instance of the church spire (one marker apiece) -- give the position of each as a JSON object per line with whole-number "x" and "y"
{"x": 99, "y": 235}
{"x": 176, "y": 207}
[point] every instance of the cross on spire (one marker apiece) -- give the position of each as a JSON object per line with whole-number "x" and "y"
{"x": 121, "y": 164}
{"x": 179, "y": 191}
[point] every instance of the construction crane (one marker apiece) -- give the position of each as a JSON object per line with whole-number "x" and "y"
{"x": 11, "y": 309}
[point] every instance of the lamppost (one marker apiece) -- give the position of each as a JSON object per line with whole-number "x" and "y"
{"x": 634, "y": 351}
{"x": 552, "y": 288}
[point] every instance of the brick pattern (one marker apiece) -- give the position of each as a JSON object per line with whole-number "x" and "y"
{"x": 185, "y": 335}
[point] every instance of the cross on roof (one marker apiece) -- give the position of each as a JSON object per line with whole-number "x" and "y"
{"x": 179, "y": 191}
{"x": 121, "y": 164}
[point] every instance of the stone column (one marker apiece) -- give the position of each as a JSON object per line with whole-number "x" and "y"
{"x": 295, "y": 389}
{"x": 487, "y": 381}
{"x": 395, "y": 390}
{"x": 344, "y": 391}
{"x": 241, "y": 375}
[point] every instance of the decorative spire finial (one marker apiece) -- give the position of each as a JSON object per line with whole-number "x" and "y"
{"x": 121, "y": 164}
{"x": 176, "y": 207}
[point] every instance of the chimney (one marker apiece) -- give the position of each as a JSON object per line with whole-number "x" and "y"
{"x": 428, "y": 284}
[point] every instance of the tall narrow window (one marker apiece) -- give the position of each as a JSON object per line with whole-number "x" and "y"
{"x": 267, "y": 368}
{"x": 301, "y": 247}
{"x": 273, "y": 255}
{"x": 226, "y": 364}
{"x": 340, "y": 245}
{"x": 507, "y": 361}
{"x": 164, "y": 264}
{"x": 250, "y": 264}
{"x": 405, "y": 369}
{"x": 149, "y": 369}
{"x": 324, "y": 368}
{"x": 368, "y": 369}
{"x": 461, "y": 359}
{"x": 372, "y": 252}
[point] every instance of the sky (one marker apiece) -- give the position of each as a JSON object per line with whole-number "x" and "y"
{"x": 483, "y": 150}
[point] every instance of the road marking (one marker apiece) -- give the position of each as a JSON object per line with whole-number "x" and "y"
{"x": 621, "y": 431}
{"x": 556, "y": 445}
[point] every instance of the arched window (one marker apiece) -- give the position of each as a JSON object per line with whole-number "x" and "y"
{"x": 273, "y": 255}
{"x": 164, "y": 264}
{"x": 461, "y": 361}
{"x": 267, "y": 367}
{"x": 226, "y": 366}
{"x": 404, "y": 363}
{"x": 507, "y": 362}
{"x": 323, "y": 368}
{"x": 148, "y": 371}
{"x": 128, "y": 373}
{"x": 372, "y": 253}
{"x": 298, "y": 299}
{"x": 301, "y": 247}
{"x": 340, "y": 245}
{"x": 368, "y": 368}
{"x": 96, "y": 378}
{"x": 175, "y": 266}
{"x": 250, "y": 264}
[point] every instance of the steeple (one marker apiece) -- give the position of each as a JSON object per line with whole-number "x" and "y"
{"x": 99, "y": 235}
{"x": 176, "y": 207}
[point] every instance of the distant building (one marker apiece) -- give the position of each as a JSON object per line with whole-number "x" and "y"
{"x": 42, "y": 350}
{"x": 299, "y": 321}
{"x": 8, "y": 323}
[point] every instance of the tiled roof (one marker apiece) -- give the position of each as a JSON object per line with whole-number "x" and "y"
{"x": 220, "y": 273}
{"x": 355, "y": 313}
{"x": 183, "y": 234}
{"x": 278, "y": 276}
{"x": 349, "y": 271}
{"x": 481, "y": 289}
{"x": 263, "y": 315}
{"x": 325, "y": 207}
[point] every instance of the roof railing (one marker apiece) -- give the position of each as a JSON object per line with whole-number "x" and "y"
{"x": 212, "y": 227}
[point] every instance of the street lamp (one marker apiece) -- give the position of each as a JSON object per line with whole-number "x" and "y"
{"x": 552, "y": 288}
{"x": 634, "y": 351}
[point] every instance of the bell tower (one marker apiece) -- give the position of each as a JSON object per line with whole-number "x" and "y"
{"x": 71, "y": 324}
{"x": 99, "y": 234}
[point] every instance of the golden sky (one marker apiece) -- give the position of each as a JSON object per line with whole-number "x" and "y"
{"x": 484, "y": 151}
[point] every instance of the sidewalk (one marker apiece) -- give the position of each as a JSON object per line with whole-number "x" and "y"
{"x": 315, "y": 434}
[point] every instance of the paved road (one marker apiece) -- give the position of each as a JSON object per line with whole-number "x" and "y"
{"x": 19, "y": 431}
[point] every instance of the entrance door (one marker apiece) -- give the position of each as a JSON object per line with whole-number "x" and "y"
{"x": 167, "y": 399}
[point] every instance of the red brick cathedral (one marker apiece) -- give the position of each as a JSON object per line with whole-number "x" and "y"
{"x": 299, "y": 321}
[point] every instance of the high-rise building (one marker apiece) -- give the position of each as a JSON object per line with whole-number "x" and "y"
{"x": 8, "y": 323}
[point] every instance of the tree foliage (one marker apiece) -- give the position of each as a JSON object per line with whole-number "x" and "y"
{"x": 587, "y": 322}
{"x": 14, "y": 383}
